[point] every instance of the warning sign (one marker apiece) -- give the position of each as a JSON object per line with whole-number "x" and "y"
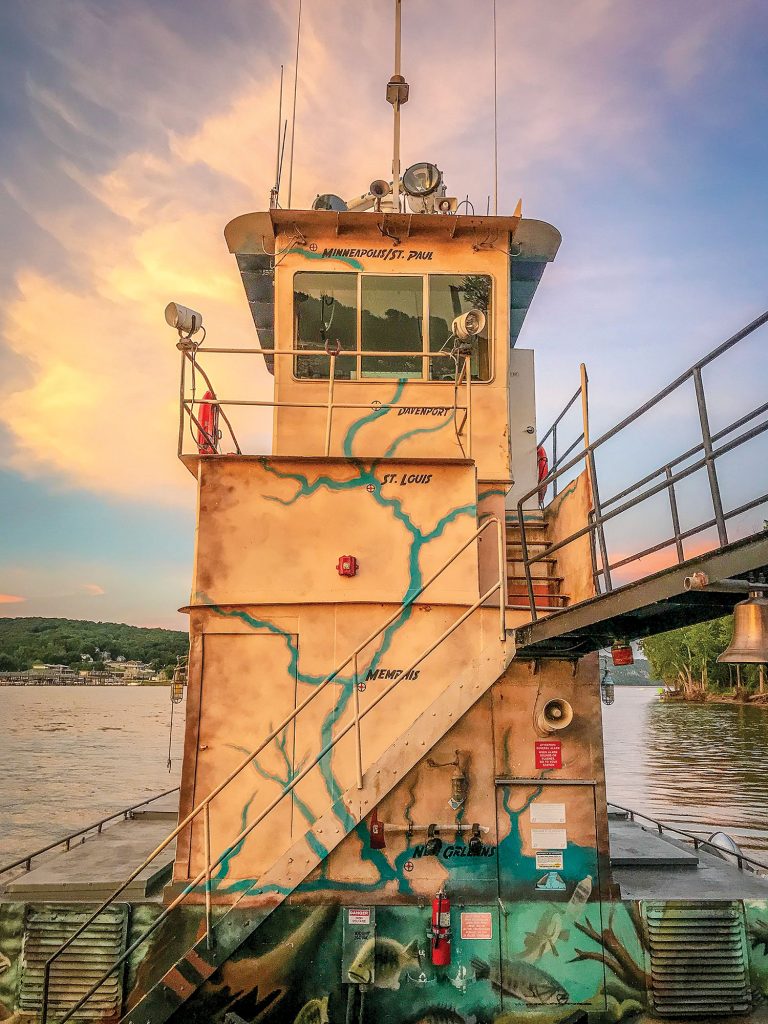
{"x": 548, "y": 754}
{"x": 476, "y": 925}
{"x": 359, "y": 915}
{"x": 549, "y": 860}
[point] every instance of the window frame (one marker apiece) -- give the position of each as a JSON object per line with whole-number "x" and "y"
{"x": 425, "y": 276}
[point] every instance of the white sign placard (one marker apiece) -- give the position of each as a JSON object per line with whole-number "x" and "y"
{"x": 359, "y": 915}
{"x": 549, "y": 838}
{"x": 547, "y": 814}
{"x": 549, "y": 860}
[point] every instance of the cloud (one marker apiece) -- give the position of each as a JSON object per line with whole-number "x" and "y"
{"x": 134, "y": 226}
{"x": 11, "y": 599}
{"x": 93, "y": 589}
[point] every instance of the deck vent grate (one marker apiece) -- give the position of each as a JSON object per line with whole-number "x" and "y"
{"x": 80, "y": 967}
{"x": 698, "y": 959}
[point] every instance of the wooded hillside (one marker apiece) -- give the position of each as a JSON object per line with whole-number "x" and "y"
{"x": 28, "y": 641}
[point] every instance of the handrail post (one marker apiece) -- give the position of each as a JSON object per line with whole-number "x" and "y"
{"x": 468, "y": 371}
{"x": 675, "y": 516}
{"x": 526, "y": 561}
{"x": 599, "y": 517}
{"x": 706, "y": 437}
{"x": 207, "y": 839}
{"x": 329, "y": 414}
{"x": 501, "y": 538}
{"x": 358, "y": 738}
{"x": 182, "y": 407}
{"x": 554, "y": 460}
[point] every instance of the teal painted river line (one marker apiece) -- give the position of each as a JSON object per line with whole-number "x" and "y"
{"x": 365, "y": 481}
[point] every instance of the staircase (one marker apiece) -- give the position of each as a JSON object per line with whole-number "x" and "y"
{"x": 547, "y": 584}
{"x": 291, "y": 868}
{"x": 219, "y": 938}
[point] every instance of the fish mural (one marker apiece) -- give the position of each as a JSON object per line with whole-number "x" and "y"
{"x": 545, "y": 938}
{"x": 381, "y": 961}
{"x": 522, "y": 980}
{"x": 313, "y": 1012}
{"x": 758, "y": 934}
{"x": 581, "y": 894}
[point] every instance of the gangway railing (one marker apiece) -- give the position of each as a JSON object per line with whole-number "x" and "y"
{"x": 189, "y": 405}
{"x": 81, "y": 833}
{"x": 705, "y": 454}
{"x": 203, "y": 808}
{"x": 696, "y": 841}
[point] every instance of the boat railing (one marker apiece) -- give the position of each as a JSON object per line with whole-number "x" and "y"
{"x": 203, "y": 877}
{"x": 82, "y": 833}
{"x": 704, "y": 455}
{"x": 581, "y": 395}
{"x": 697, "y": 842}
{"x": 190, "y": 405}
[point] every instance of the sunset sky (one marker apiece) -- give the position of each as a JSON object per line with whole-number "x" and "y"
{"x": 133, "y": 131}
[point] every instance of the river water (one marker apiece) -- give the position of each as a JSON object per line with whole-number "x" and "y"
{"x": 70, "y": 755}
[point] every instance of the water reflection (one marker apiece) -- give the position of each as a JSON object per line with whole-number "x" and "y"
{"x": 704, "y": 766}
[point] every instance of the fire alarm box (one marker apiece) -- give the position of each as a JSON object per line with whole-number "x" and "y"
{"x": 347, "y": 565}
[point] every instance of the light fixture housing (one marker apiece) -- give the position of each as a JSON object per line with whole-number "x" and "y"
{"x": 329, "y": 201}
{"x": 422, "y": 179}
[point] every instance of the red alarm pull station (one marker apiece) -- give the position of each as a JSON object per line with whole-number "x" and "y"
{"x": 347, "y": 565}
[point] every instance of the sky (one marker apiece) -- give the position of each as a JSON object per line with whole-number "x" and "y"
{"x": 133, "y": 132}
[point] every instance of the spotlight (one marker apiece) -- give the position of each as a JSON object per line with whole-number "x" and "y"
{"x": 329, "y": 201}
{"x": 468, "y": 324}
{"x": 186, "y": 321}
{"x": 422, "y": 179}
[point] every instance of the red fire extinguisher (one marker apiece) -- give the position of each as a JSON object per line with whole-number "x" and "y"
{"x": 441, "y": 930}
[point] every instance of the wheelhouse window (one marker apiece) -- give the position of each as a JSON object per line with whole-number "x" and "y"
{"x": 450, "y": 295}
{"x": 392, "y": 321}
{"x": 389, "y": 314}
{"x": 325, "y": 310}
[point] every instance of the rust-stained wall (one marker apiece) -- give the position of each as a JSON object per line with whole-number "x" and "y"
{"x": 567, "y": 514}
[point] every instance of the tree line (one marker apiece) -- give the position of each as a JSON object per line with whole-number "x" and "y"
{"x": 25, "y": 642}
{"x": 686, "y": 659}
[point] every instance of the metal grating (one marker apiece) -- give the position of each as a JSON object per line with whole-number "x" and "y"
{"x": 80, "y": 967}
{"x": 697, "y": 958}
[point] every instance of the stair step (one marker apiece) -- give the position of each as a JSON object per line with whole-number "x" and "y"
{"x": 536, "y": 580}
{"x": 230, "y": 931}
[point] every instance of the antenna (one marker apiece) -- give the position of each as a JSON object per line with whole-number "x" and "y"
{"x": 397, "y": 94}
{"x": 275, "y": 190}
{"x": 495, "y": 124}
{"x": 293, "y": 116}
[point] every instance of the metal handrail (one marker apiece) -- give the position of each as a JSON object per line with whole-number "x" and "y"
{"x": 204, "y": 805}
{"x": 189, "y": 351}
{"x": 697, "y": 841}
{"x": 599, "y": 516}
{"x": 67, "y": 840}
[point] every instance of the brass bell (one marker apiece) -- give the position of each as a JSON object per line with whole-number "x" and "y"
{"x": 749, "y": 643}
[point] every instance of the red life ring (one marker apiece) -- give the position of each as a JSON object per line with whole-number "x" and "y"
{"x": 208, "y": 431}
{"x": 543, "y": 463}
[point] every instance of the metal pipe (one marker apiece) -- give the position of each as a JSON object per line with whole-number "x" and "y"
{"x": 674, "y": 514}
{"x": 396, "y": 114}
{"x": 700, "y": 581}
{"x": 468, "y": 370}
{"x": 207, "y": 839}
{"x": 501, "y": 552}
{"x": 714, "y": 486}
{"x": 358, "y": 739}
{"x": 598, "y": 519}
{"x": 526, "y": 560}
{"x": 331, "y": 380}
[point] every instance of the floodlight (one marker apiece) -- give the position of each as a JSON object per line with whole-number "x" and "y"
{"x": 186, "y": 321}
{"x": 329, "y": 201}
{"x": 422, "y": 179}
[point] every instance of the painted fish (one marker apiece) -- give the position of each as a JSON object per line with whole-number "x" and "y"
{"x": 381, "y": 961}
{"x": 549, "y": 930}
{"x": 581, "y": 894}
{"x": 5, "y": 963}
{"x": 758, "y": 934}
{"x": 522, "y": 980}
{"x": 313, "y": 1012}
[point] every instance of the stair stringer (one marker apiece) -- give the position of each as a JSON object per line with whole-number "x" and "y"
{"x": 231, "y": 930}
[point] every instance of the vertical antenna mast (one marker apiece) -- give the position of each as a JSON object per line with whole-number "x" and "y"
{"x": 293, "y": 116}
{"x": 275, "y": 190}
{"x": 397, "y": 94}
{"x": 495, "y": 124}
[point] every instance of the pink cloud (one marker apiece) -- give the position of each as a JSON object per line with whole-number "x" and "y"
{"x": 11, "y": 599}
{"x": 93, "y": 588}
